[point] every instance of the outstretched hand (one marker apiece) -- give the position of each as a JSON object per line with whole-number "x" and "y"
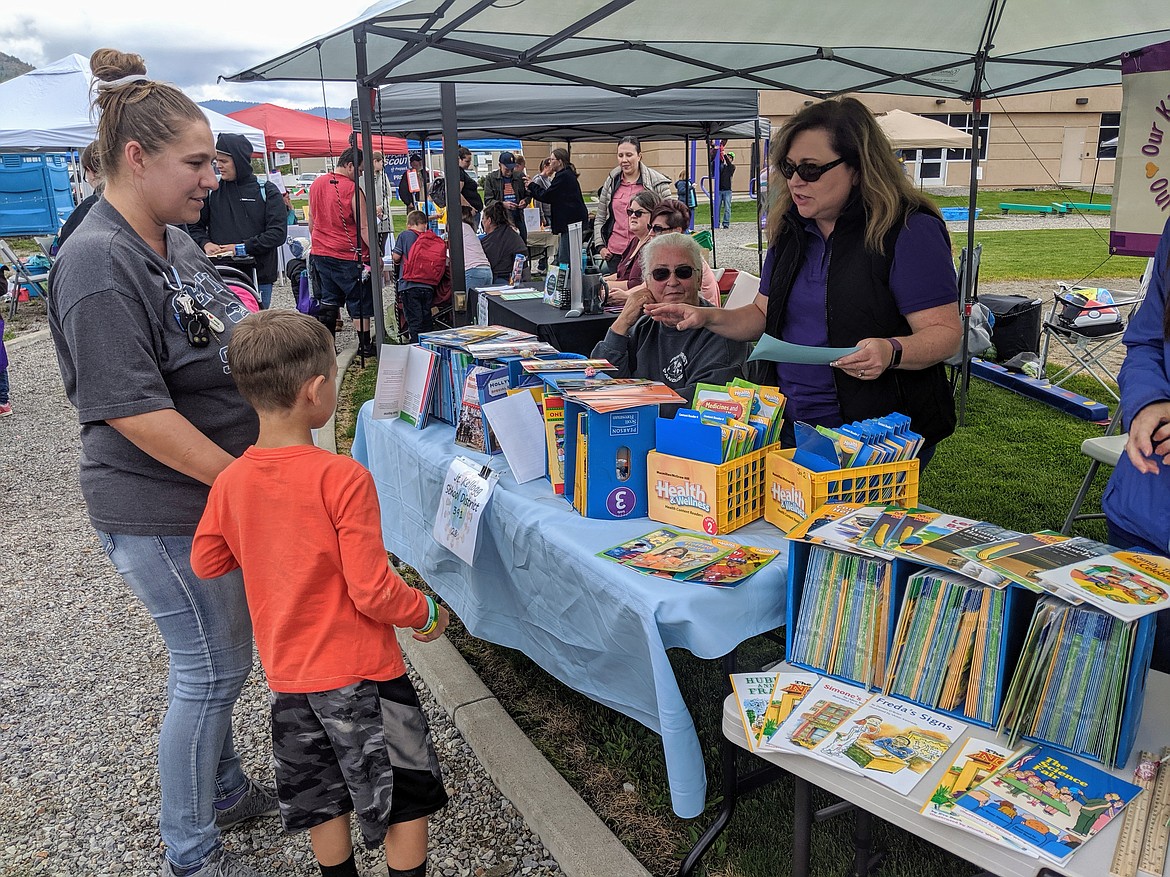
{"x": 1149, "y": 437}
{"x": 678, "y": 316}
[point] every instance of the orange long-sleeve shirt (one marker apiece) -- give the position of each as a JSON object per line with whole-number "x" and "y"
{"x": 303, "y": 524}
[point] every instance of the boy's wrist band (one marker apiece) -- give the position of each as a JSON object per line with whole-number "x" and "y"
{"x": 432, "y": 617}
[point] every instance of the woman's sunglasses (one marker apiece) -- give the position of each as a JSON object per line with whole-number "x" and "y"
{"x": 638, "y": 213}
{"x": 682, "y": 272}
{"x": 660, "y": 229}
{"x": 808, "y": 171}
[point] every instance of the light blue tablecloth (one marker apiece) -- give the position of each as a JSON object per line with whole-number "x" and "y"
{"x": 536, "y": 586}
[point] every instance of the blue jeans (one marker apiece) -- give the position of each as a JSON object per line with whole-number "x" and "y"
{"x": 3, "y": 386}
{"x": 265, "y": 290}
{"x": 208, "y": 636}
{"x": 723, "y": 208}
{"x": 475, "y": 278}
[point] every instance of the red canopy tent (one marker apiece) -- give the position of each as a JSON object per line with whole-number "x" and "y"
{"x": 304, "y": 135}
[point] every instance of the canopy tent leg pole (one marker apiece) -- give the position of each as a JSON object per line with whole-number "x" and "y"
{"x": 451, "y": 172}
{"x": 365, "y": 98}
{"x": 761, "y": 160}
{"x": 968, "y": 291}
{"x": 689, "y": 162}
{"x": 713, "y": 164}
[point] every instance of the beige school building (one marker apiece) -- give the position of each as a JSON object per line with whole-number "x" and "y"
{"x": 1056, "y": 138}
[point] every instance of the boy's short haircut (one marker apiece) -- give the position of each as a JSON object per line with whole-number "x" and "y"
{"x": 272, "y": 353}
{"x": 416, "y": 217}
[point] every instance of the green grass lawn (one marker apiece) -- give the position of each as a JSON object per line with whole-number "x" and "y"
{"x": 1016, "y": 463}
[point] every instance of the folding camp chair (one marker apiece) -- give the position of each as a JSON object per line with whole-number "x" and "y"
{"x": 36, "y": 281}
{"x": 1088, "y": 332}
{"x": 1105, "y": 450}
{"x": 955, "y": 363}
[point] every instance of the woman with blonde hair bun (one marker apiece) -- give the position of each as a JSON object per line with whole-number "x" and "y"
{"x": 141, "y": 323}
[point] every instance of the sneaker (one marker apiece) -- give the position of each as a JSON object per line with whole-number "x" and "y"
{"x": 6, "y": 409}
{"x": 221, "y": 864}
{"x": 258, "y": 800}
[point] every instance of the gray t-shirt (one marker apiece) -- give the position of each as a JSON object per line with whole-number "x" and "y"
{"x": 112, "y": 307}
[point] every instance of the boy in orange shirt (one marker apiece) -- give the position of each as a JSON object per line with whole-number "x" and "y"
{"x": 348, "y": 733}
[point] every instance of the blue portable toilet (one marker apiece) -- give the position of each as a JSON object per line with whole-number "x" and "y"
{"x": 35, "y": 192}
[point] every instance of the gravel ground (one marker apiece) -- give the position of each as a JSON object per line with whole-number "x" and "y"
{"x": 82, "y": 680}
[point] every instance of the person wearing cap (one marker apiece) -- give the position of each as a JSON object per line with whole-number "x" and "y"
{"x": 726, "y": 172}
{"x": 508, "y": 187}
{"x": 414, "y": 200}
{"x": 244, "y": 211}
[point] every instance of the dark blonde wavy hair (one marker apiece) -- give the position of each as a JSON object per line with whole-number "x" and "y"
{"x": 854, "y": 134}
{"x": 152, "y": 113}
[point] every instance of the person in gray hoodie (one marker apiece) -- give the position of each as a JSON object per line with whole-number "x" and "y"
{"x": 242, "y": 211}
{"x": 640, "y": 347}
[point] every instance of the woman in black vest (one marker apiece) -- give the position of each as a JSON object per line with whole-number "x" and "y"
{"x": 563, "y": 195}
{"x": 856, "y": 258}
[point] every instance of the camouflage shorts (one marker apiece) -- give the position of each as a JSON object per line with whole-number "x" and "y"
{"x": 364, "y": 748}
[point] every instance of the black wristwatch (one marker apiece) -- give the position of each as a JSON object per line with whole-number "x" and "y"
{"x": 896, "y": 360}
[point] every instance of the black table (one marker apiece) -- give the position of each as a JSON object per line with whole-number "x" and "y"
{"x": 566, "y": 334}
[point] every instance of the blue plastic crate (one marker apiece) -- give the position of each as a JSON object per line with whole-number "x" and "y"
{"x": 958, "y": 214}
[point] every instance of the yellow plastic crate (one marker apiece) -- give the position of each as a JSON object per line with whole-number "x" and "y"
{"x": 794, "y": 492}
{"x": 707, "y": 497}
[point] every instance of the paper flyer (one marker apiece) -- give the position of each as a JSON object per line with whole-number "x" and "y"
{"x": 466, "y": 491}
{"x": 775, "y": 350}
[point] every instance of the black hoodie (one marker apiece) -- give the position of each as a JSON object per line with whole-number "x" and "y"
{"x": 237, "y": 212}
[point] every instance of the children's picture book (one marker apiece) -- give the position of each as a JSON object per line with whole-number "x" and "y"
{"x": 406, "y": 380}
{"x": 996, "y": 556}
{"x": 790, "y": 688}
{"x": 977, "y": 760}
{"x": 1127, "y": 584}
{"x": 924, "y": 529}
{"x": 636, "y": 547}
{"x": 618, "y": 395}
{"x": 891, "y": 742}
{"x": 734, "y": 568}
{"x": 1048, "y": 800}
{"x": 534, "y": 366}
{"x": 554, "y": 436}
{"x": 822, "y": 515}
{"x": 1025, "y": 565}
{"x": 824, "y": 709}
{"x": 481, "y": 386}
{"x": 944, "y": 551}
{"x": 683, "y": 553}
{"x": 753, "y": 695}
{"x": 846, "y": 532}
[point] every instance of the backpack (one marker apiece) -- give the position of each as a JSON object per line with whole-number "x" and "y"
{"x": 438, "y": 191}
{"x": 427, "y": 260}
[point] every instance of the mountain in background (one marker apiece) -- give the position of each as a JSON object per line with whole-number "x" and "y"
{"x": 230, "y": 106}
{"x": 11, "y": 67}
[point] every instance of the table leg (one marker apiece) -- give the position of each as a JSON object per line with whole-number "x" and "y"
{"x": 802, "y": 818}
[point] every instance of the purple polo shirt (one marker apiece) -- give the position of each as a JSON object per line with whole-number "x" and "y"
{"x": 922, "y": 275}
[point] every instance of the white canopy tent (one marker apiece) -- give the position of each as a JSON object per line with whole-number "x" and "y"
{"x": 908, "y": 131}
{"x": 49, "y": 108}
{"x": 969, "y": 49}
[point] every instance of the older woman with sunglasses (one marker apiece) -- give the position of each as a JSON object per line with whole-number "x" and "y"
{"x": 628, "y": 274}
{"x": 857, "y": 259}
{"x": 641, "y": 347}
{"x": 674, "y": 217}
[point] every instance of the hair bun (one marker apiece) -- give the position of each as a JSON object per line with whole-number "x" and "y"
{"x": 110, "y": 64}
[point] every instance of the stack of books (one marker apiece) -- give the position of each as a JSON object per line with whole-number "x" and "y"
{"x": 690, "y": 557}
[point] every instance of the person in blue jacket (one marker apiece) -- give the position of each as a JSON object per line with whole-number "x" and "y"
{"x": 1137, "y": 498}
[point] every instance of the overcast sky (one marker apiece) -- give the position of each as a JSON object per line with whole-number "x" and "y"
{"x": 187, "y": 43}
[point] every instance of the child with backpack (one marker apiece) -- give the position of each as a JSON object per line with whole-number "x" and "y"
{"x": 421, "y": 257}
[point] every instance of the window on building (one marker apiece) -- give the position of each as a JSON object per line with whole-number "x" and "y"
{"x": 962, "y": 122}
{"x": 1107, "y": 135}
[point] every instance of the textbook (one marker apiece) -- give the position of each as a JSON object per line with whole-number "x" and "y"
{"x": 690, "y": 557}
{"x": 997, "y": 556}
{"x": 944, "y": 552}
{"x": 1127, "y": 584}
{"x": 406, "y": 380}
{"x": 890, "y": 742}
{"x": 847, "y": 531}
{"x": 1025, "y": 564}
{"x": 683, "y": 553}
{"x": 1048, "y": 800}
{"x": 732, "y": 569}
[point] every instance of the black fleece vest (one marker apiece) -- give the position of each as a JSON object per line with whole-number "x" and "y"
{"x": 859, "y": 304}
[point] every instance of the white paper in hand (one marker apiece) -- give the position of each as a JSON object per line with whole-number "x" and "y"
{"x": 519, "y": 429}
{"x": 466, "y": 491}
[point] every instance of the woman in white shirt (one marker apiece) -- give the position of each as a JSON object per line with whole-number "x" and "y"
{"x": 477, "y": 270}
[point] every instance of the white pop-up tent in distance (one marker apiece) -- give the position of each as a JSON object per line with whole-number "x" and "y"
{"x": 49, "y": 109}
{"x": 951, "y": 48}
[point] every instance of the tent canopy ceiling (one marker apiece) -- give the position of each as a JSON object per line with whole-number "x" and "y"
{"x": 908, "y": 131}
{"x": 305, "y": 135}
{"x": 845, "y": 46}
{"x": 49, "y": 108}
{"x": 571, "y": 113}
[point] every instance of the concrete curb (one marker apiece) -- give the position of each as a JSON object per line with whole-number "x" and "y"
{"x": 26, "y": 340}
{"x": 580, "y": 842}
